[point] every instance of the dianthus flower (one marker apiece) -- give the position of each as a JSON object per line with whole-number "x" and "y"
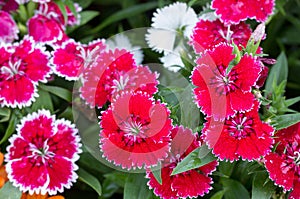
{"x": 22, "y": 66}
{"x": 221, "y": 93}
{"x": 135, "y": 131}
{"x": 234, "y": 11}
{"x": 191, "y": 183}
{"x": 71, "y": 58}
{"x": 114, "y": 72}
{"x": 8, "y": 6}
{"x": 41, "y": 156}
{"x": 242, "y": 135}
{"x": 283, "y": 164}
{"x": 9, "y": 30}
{"x": 207, "y": 34}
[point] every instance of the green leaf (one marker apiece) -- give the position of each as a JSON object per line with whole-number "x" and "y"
{"x": 192, "y": 161}
{"x": 284, "y": 121}
{"x": 278, "y": 74}
{"x": 234, "y": 189}
{"x": 85, "y": 16}
{"x": 8, "y": 191}
{"x": 218, "y": 195}
{"x": 84, "y": 3}
{"x": 5, "y": 113}
{"x": 136, "y": 187}
{"x": 226, "y": 168}
{"x": 290, "y": 102}
{"x": 123, "y": 14}
{"x": 58, "y": 91}
{"x": 90, "y": 180}
{"x": 262, "y": 186}
{"x": 156, "y": 171}
{"x": 44, "y": 101}
{"x": 117, "y": 177}
{"x": 10, "y": 129}
{"x": 63, "y": 9}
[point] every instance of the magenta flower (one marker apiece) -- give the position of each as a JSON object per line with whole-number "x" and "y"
{"x": 207, "y": 34}
{"x": 218, "y": 92}
{"x": 191, "y": 183}
{"x": 135, "y": 131}
{"x": 41, "y": 156}
{"x": 71, "y": 58}
{"x": 242, "y": 135}
{"x": 234, "y": 11}
{"x": 21, "y": 68}
{"x": 283, "y": 163}
{"x": 9, "y": 30}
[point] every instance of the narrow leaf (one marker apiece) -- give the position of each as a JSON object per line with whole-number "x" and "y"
{"x": 136, "y": 187}
{"x": 290, "y": 102}
{"x": 262, "y": 186}
{"x": 218, "y": 195}
{"x": 43, "y": 101}
{"x": 278, "y": 73}
{"x": 8, "y": 191}
{"x": 58, "y": 91}
{"x": 90, "y": 180}
{"x": 63, "y": 10}
{"x": 157, "y": 173}
{"x": 234, "y": 189}
{"x": 10, "y": 129}
{"x": 284, "y": 121}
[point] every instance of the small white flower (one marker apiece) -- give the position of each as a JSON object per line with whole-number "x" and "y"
{"x": 122, "y": 41}
{"x": 207, "y": 13}
{"x": 172, "y": 61}
{"x": 169, "y": 22}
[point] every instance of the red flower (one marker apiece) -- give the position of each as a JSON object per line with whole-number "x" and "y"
{"x": 41, "y": 157}
{"x": 135, "y": 131}
{"x": 21, "y": 68}
{"x": 51, "y": 10}
{"x": 234, "y": 11}
{"x": 215, "y": 87}
{"x": 44, "y": 29}
{"x": 191, "y": 183}
{"x": 242, "y": 135}
{"x": 207, "y": 34}
{"x": 114, "y": 72}
{"x": 9, "y": 30}
{"x": 283, "y": 163}
{"x": 71, "y": 58}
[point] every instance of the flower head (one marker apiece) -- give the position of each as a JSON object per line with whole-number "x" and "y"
{"x": 215, "y": 86}
{"x": 234, "y": 11}
{"x": 9, "y": 30}
{"x": 135, "y": 131}
{"x": 242, "y": 135}
{"x": 43, "y": 149}
{"x": 22, "y": 66}
{"x": 283, "y": 164}
{"x": 191, "y": 183}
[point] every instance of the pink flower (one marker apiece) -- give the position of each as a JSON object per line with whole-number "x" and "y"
{"x": 207, "y": 34}
{"x": 112, "y": 73}
{"x": 242, "y": 135}
{"x": 41, "y": 156}
{"x": 283, "y": 163}
{"x": 21, "y": 68}
{"x": 135, "y": 131}
{"x": 191, "y": 183}
{"x": 51, "y": 10}
{"x": 221, "y": 93}
{"x": 71, "y": 58}
{"x": 8, "y": 6}
{"x": 9, "y": 30}
{"x": 44, "y": 29}
{"x": 234, "y": 11}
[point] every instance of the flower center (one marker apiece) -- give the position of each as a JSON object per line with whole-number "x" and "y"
{"x": 292, "y": 155}
{"x": 88, "y": 55}
{"x": 240, "y": 126}
{"x": 224, "y": 83}
{"x": 120, "y": 85}
{"x": 42, "y": 152}
{"x": 132, "y": 127}
{"x": 12, "y": 69}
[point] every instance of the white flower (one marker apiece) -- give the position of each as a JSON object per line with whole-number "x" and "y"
{"x": 207, "y": 13}
{"x": 169, "y": 22}
{"x": 122, "y": 41}
{"x": 172, "y": 61}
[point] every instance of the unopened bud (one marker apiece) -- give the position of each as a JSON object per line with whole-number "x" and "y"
{"x": 259, "y": 33}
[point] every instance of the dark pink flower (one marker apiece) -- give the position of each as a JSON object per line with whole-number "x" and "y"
{"x": 283, "y": 164}
{"x": 242, "y": 135}
{"x": 234, "y": 11}
{"x": 52, "y": 11}
{"x": 41, "y": 156}
{"x": 71, "y": 58}
{"x": 44, "y": 29}
{"x": 9, "y": 30}
{"x": 112, "y": 73}
{"x": 221, "y": 93}
{"x": 8, "y": 6}
{"x": 207, "y": 34}
{"x": 191, "y": 183}
{"x": 135, "y": 131}
{"x": 21, "y": 68}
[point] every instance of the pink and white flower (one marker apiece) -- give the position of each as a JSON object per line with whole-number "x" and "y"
{"x": 41, "y": 156}
{"x": 9, "y": 30}
{"x": 22, "y": 67}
